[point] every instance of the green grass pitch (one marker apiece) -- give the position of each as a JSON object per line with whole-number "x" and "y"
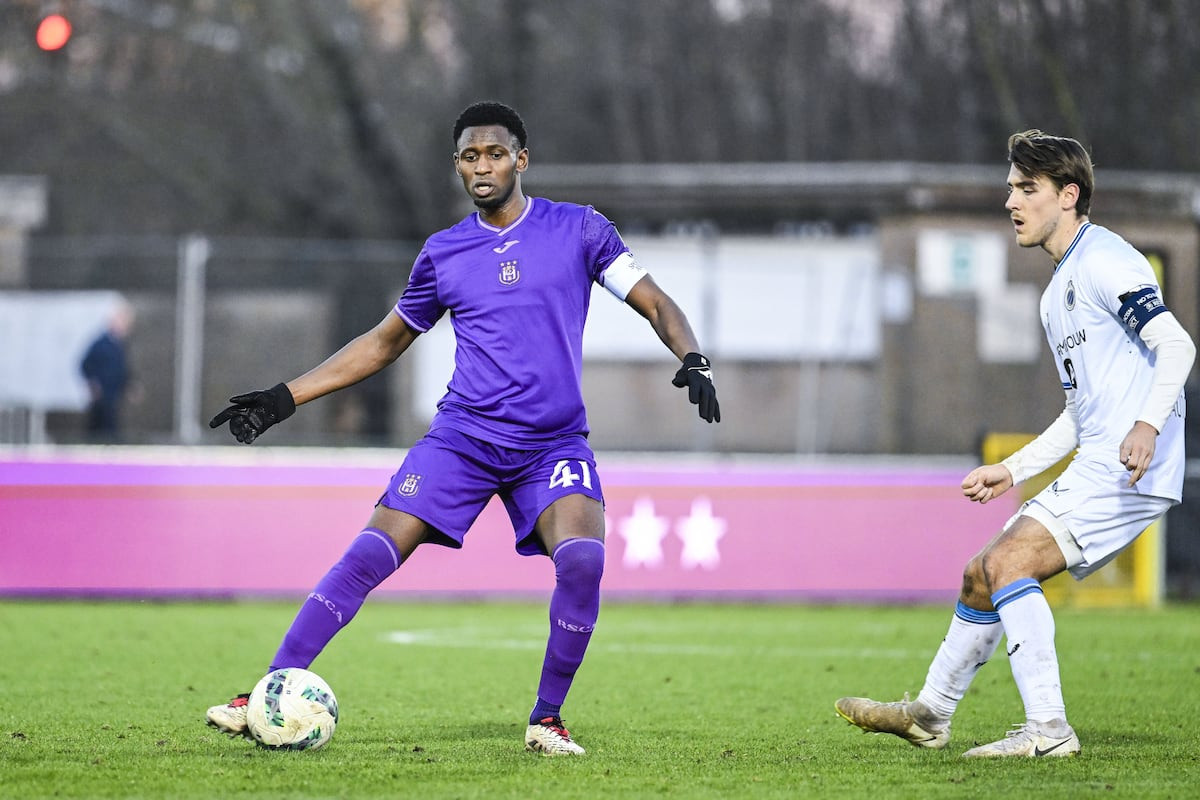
{"x": 691, "y": 700}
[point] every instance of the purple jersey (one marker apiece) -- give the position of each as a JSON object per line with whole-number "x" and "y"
{"x": 518, "y": 299}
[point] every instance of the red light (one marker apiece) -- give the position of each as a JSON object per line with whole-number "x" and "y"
{"x": 53, "y": 32}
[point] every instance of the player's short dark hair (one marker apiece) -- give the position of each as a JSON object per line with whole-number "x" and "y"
{"x": 490, "y": 113}
{"x": 1057, "y": 158}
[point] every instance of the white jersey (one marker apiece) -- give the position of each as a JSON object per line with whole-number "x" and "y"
{"x": 1103, "y": 292}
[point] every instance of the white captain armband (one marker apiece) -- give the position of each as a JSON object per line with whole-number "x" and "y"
{"x": 620, "y": 276}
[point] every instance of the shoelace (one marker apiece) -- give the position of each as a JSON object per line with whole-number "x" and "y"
{"x": 1018, "y": 729}
{"x": 555, "y": 724}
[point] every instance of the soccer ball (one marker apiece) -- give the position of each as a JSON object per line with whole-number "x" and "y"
{"x": 292, "y": 709}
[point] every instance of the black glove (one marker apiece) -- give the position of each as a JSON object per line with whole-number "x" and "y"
{"x": 254, "y": 412}
{"x": 696, "y": 375}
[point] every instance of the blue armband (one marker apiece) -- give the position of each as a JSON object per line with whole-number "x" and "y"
{"x": 1140, "y": 306}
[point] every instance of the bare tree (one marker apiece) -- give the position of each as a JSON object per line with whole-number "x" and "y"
{"x": 331, "y": 117}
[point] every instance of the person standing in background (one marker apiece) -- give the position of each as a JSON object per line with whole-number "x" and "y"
{"x": 105, "y": 367}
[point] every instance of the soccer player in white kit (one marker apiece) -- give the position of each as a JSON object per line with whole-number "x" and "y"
{"x": 1123, "y": 359}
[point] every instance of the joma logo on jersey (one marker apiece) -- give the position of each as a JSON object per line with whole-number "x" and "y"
{"x": 509, "y": 274}
{"x": 411, "y": 485}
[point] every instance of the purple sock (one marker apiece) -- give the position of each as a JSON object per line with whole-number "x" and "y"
{"x": 370, "y": 558}
{"x": 574, "y": 607}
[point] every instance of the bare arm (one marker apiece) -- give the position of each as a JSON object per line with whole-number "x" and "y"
{"x": 672, "y": 326}
{"x": 359, "y": 359}
{"x": 667, "y": 319}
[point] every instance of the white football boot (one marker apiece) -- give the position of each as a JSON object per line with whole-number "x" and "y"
{"x": 1032, "y": 740}
{"x": 551, "y": 738}
{"x": 231, "y": 717}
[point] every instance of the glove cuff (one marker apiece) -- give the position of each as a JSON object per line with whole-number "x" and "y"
{"x": 694, "y": 361}
{"x": 285, "y": 404}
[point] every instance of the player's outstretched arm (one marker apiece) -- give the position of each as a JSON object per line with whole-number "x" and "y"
{"x": 673, "y": 328}
{"x": 360, "y": 358}
{"x": 250, "y": 414}
{"x": 696, "y": 376}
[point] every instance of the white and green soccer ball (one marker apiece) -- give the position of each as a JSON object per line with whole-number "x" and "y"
{"x": 292, "y": 709}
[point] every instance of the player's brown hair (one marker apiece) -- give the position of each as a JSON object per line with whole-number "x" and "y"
{"x": 1057, "y": 158}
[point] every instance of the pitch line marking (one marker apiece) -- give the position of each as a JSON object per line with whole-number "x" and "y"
{"x": 470, "y": 640}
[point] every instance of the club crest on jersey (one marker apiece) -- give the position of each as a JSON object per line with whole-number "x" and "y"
{"x": 411, "y": 485}
{"x": 509, "y": 274}
{"x": 1069, "y": 297}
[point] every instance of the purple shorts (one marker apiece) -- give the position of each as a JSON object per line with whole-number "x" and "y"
{"x": 447, "y": 479}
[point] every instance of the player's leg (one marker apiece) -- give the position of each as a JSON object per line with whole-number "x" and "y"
{"x": 970, "y": 641}
{"x": 572, "y": 530}
{"x": 1024, "y": 548}
{"x": 1014, "y": 566}
{"x": 377, "y": 552}
{"x": 563, "y": 490}
{"x": 389, "y": 538}
{"x": 434, "y": 496}
{"x": 1080, "y": 523}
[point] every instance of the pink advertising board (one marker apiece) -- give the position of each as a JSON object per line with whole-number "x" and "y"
{"x": 222, "y": 522}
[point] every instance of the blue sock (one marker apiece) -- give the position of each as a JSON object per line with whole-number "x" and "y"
{"x": 574, "y": 608}
{"x": 370, "y": 558}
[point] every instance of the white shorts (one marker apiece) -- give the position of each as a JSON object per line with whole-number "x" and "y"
{"x": 1093, "y": 514}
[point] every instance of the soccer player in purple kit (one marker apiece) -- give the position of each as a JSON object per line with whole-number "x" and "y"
{"x": 516, "y": 277}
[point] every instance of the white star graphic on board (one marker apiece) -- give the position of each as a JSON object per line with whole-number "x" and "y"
{"x": 700, "y": 532}
{"x": 644, "y": 533}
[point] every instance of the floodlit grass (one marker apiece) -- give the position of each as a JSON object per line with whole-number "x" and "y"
{"x": 682, "y": 701}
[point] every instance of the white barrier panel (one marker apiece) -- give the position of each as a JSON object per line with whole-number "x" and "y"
{"x": 43, "y": 337}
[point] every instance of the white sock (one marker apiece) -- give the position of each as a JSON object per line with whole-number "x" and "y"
{"x": 969, "y": 643}
{"x": 1029, "y": 627}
